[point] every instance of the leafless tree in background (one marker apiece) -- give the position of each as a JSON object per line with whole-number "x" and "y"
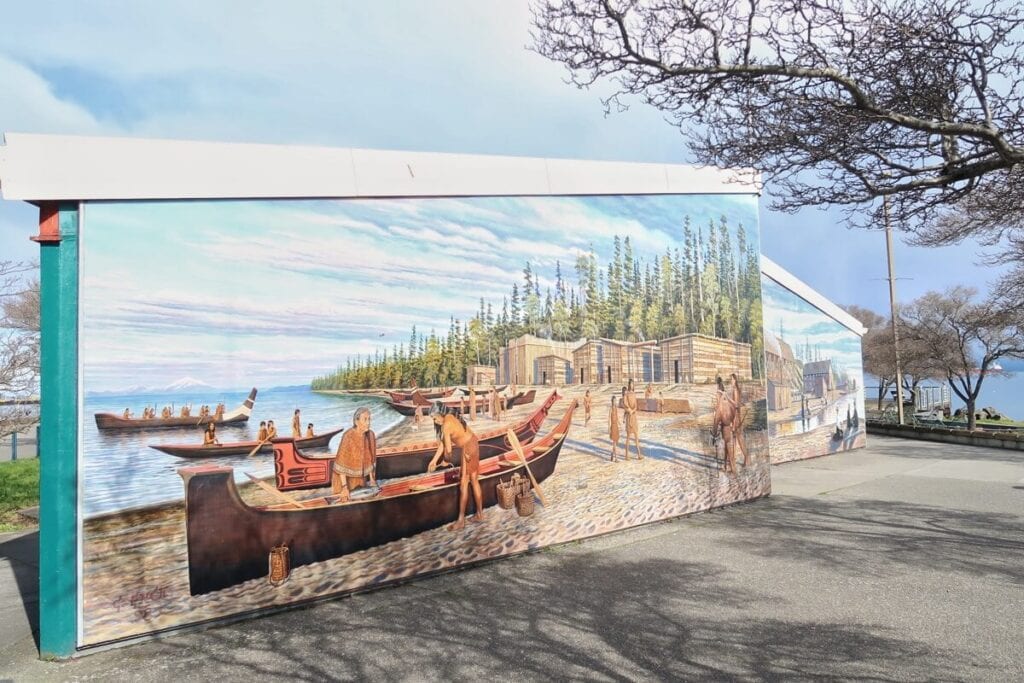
{"x": 963, "y": 338}
{"x": 879, "y": 354}
{"x": 838, "y": 102}
{"x": 19, "y": 345}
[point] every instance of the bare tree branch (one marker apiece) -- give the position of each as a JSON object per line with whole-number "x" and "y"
{"x": 838, "y": 102}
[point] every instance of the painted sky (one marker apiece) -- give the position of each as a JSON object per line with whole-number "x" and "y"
{"x": 802, "y": 325}
{"x": 445, "y": 76}
{"x": 272, "y": 293}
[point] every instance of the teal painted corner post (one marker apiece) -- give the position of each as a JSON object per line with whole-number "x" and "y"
{"x": 58, "y": 444}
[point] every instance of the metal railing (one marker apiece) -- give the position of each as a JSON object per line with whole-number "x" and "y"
{"x": 20, "y": 445}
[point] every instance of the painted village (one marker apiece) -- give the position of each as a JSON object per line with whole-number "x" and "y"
{"x": 815, "y": 404}
{"x": 634, "y": 394}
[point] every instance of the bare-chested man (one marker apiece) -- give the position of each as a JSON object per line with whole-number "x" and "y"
{"x": 630, "y": 407}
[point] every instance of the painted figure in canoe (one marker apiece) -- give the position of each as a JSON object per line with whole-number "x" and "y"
{"x": 309, "y": 431}
{"x": 210, "y": 435}
{"x": 452, "y": 431}
{"x": 356, "y": 460}
{"x": 630, "y": 409}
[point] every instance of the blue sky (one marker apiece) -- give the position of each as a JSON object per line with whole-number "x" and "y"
{"x": 801, "y": 325}
{"x": 271, "y": 293}
{"x": 446, "y": 76}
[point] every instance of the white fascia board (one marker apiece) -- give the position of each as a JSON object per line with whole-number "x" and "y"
{"x": 783, "y": 277}
{"x": 37, "y": 167}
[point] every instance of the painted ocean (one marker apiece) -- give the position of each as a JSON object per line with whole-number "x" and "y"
{"x": 122, "y": 471}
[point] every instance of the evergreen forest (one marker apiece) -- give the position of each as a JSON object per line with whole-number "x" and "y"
{"x": 710, "y": 285}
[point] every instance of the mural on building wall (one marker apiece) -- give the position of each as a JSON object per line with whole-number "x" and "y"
{"x": 815, "y": 378}
{"x": 291, "y": 399}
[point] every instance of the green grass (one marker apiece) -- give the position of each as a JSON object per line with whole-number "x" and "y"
{"x": 19, "y": 488}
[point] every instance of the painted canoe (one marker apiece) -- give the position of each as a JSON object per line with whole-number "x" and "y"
{"x": 240, "y": 447}
{"x": 522, "y": 398}
{"x": 295, "y": 471}
{"x": 399, "y": 396}
{"x": 239, "y": 415}
{"x": 229, "y": 541}
{"x": 454, "y": 404}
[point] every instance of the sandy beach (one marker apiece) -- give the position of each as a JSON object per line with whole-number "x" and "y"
{"x": 135, "y": 576}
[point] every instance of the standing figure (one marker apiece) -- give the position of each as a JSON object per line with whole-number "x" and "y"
{"x": 218, "y": 414}
{"x": 419, "y": 416}
{"x": 587, "y": 405}
{"x": 630, "y": 407}
{"x": 661, "y": 402}
{"x": 737, "y": 425}
{"x": 494, "y": 404}
{"x": 502, "y": 406}
{"x": 453, "y": 432}
{"x": 613, "y": 423}
{"x": 472, "y": 403}
{"x": 296, "y": 425}
{"x": 356, "y": 459}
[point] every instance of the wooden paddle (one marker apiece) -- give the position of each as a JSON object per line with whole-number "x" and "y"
{"x": 258, "y": 446}
{"x": 518, "y": 448}
{"x": 283, "y": 496}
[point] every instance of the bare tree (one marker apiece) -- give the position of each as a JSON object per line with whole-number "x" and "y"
{"x": 995, "y": 219}
{"x": 19, "y": 346}
{"x": 964, "y": 339}
{"x": 879, "y": 353}
{"x": 836, "y": 101}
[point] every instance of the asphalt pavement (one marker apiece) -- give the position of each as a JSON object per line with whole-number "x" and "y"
{"x": 902, "y": 561}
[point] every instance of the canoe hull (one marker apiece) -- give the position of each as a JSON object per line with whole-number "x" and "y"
{"x": 243, "y": 448}
{"x": 239, "y": 415}
{"x": 295, "y": 471}
{"x": 229, "y": 541}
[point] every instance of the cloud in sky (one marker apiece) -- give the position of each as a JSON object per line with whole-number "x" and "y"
{"x": 802, "y": 325}
{"x": 452, "y": 75}
{"x": 272, "y": 292}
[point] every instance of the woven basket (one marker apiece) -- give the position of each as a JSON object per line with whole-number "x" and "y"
{"x": 524, "y": 504}
{"x": 280, "y": 565}
{"x": 506, "y": 494}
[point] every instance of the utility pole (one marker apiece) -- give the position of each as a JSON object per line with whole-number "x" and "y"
{"x": 892, "y": 308}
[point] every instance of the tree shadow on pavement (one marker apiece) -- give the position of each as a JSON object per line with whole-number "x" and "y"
{"x": 547, "y": 616}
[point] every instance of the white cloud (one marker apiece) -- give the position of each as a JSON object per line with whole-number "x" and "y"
{"x": 29, "y": 103}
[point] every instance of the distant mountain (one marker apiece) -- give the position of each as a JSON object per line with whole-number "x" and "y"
{"x": 184, "y": 384}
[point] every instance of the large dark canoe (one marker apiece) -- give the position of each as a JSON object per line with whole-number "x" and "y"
{"x": 453, "y": 405}
{"x": 522, "y": 398}
{"x": 239, "y": 415}
{"x": 295, "y": 471}
{"x": 399, "y": 396}
{"x": 240, "y": 447}
{"x": 229, "y": 541}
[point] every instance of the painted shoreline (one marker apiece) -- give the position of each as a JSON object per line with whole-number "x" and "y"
{"x": 135, "y": 563}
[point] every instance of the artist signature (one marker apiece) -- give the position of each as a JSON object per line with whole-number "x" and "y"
{"x": 141, "y": 601}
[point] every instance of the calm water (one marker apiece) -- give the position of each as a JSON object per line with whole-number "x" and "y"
{"x": 819, "y": 415}
{"x": 120, "y": 470}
